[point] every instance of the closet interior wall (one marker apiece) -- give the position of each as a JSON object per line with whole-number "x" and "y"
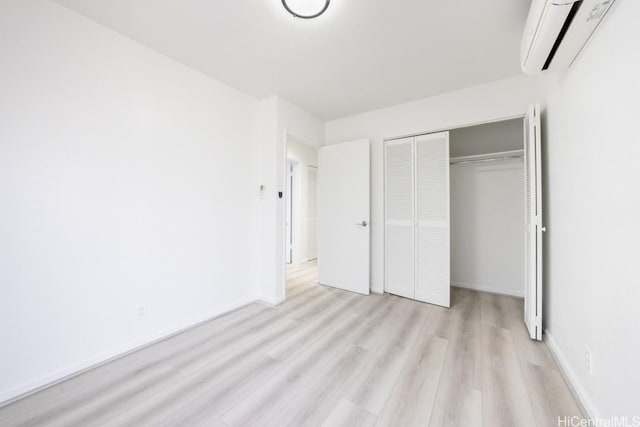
{"x": 488, "y": 208}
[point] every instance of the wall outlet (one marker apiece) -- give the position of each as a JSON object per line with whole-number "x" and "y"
{"x": 141, "y": 312}
{"x": 587, "y": 361}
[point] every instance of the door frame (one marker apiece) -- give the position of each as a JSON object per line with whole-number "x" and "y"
{"x": 290, "y": 203}
{"x": 460, "y": 126}
{"x": 426, "y": 132}
{"x": 312, "y": 256}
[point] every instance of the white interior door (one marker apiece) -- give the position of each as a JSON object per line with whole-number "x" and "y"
{"x": 343, "y": 216}
{"x": 533, "y": 237}
{"x": 399, "y": 218}
{"x": 432, "y": 235}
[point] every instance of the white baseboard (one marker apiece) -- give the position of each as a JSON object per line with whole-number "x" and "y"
{"x": 580, "y": 393}
{"x": 488, "y": 289}
{"x": 9, "y": 396}
{"x": 270, "y": 300}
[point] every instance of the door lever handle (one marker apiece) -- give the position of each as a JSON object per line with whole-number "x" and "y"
{"x": 362, "y": 223}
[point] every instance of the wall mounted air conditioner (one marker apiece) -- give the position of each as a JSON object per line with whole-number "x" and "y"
{"x": 557, "y": 30}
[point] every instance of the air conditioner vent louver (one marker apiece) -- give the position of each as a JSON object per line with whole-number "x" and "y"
{"x": 563, "y": 31}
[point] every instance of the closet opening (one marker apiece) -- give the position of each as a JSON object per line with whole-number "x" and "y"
{"x": 463, "y": 215}
{"x": 487, "y": 205}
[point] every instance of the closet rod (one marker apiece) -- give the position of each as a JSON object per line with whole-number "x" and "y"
{"x": 489, "y": 159}
{"x": 505, "y": 155}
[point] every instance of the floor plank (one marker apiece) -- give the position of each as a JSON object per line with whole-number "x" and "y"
{"x": 505, "y": 401}
{"x": 346, "y": 414}
{"x": 456, "y": 405}
{"x": 411, "y": 400}
{"x": 372, "y": 387}
{"x": 549, "y": 394}
{"x": 463, "y": 364}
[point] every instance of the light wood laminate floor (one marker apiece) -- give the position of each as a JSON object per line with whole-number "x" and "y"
{"x": 326, "y": 357}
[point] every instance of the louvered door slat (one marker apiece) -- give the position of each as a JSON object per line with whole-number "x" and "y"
{"x": 432, "y": 214}
{"x": 399, "y": 212}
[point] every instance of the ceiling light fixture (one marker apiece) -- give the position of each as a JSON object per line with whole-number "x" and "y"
{"x": 306, "y": 9}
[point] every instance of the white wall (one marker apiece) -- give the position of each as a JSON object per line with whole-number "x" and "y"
{"x": 500, "y": 99}
{"x": 592, "y": 205}
{"x": 126, "y": 179}
{"x": 304, "y": 157}
{"x": 268, "y": 262}
{"x": 487, "y": 226}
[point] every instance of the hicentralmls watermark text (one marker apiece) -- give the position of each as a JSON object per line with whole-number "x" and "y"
{"x": 599, "y": 422}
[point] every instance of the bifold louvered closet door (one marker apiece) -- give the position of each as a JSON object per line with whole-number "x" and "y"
{"x": 417, "y": 218}
{"x": 399, "y": 222}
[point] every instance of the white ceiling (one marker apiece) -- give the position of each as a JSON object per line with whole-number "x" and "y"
{"x": 359, "y": 56}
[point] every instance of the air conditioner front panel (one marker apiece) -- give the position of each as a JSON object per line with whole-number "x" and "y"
{"x": 584, "y": 24}
{"x": 543, "y": 27}
{"x": 557, "y": 30}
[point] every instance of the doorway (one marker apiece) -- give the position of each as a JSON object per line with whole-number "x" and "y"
{"x": 300, "y": 214}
